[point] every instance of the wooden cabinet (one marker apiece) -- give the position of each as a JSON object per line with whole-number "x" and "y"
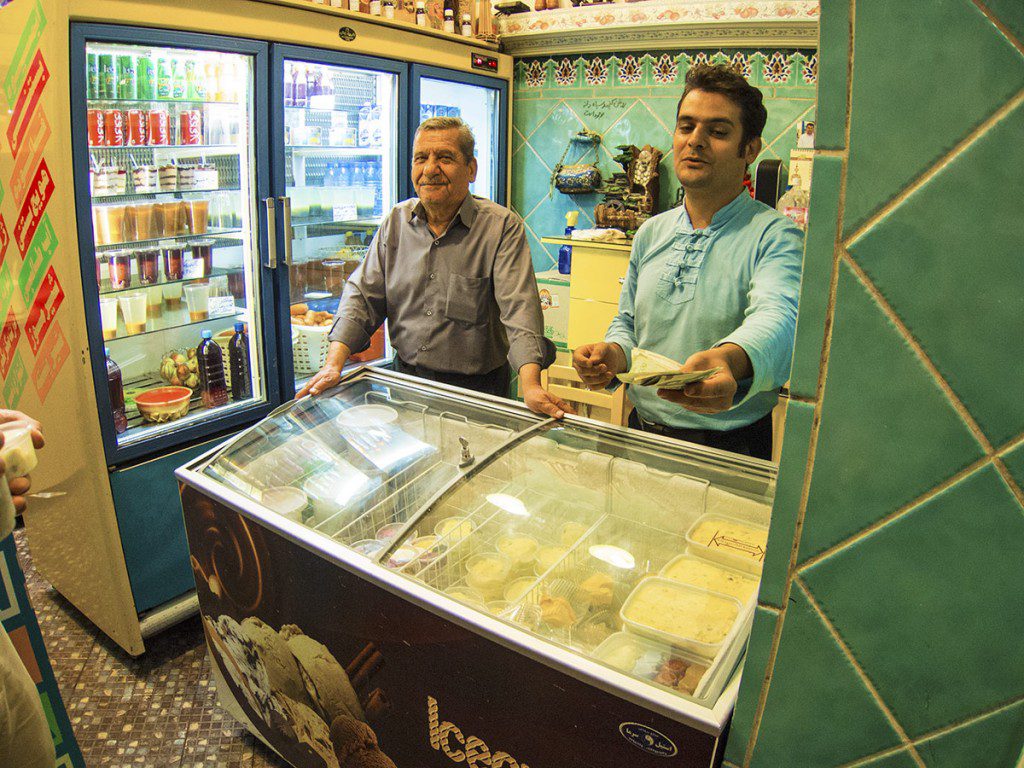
{"x": 598, "y": 271}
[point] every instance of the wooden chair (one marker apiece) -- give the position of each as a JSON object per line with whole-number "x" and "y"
{"x": 601, "y": 405}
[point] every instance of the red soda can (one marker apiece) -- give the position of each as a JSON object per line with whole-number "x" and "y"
{"x": 114, "y": 125}
{"x": 138, "y": 127}
{"x": 97, "y": 130}
{"x": 159, "y": 133}
{"x": 190, "y": 127}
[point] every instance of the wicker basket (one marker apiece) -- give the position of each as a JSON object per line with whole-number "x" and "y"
{"x": 309, "y": 348}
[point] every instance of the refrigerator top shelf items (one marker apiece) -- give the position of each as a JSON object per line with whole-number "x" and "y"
{"x": 221, "y": 235}
{"x": 559, "y": 530}
{"x": 153, "y": 103}
{"x": 175, "y": 321}
{"x": 336, "y": 150}
{"x": 168, "y": 194}
{"x": 107, "y": 289}
{"x": 155, "y": 148}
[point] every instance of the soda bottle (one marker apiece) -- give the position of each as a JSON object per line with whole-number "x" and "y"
{"x": 289, "y": 86}
{"x": 92, "y": 72}
{"x": 565, "y": 252}
{"x": 211, "y": 372}
{"x": 376, "y": 126}
{"x": 300, "y": 87}
{"x": 179, "y": 85}
{"x": 146, "y": 75}
{"x": 238, "y": 359}
{"x": 108, "y": 84}
{"x": 365, "y": 129}
{"x": 116, "y": 389}
{"x": 127, "y": 85}
{"x": 163, "y": 79}
{"x": 794, "y": 203}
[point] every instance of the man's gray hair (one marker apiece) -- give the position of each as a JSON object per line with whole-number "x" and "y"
{"x": 466, "y": 141}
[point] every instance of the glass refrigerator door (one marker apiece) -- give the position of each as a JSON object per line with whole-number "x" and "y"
{"x": 340, "y": 167}
{"x": 481, "y": 103}
{"x": 171, "y": 143}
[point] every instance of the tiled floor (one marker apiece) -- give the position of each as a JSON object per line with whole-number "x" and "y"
{"x": 156, "y": 711}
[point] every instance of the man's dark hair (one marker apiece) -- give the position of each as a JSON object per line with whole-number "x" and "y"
{"x": 719, "y": 78}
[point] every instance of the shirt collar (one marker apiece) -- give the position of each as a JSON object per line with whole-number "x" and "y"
{"x": 467, "y": 211}
{"x": 721, "y": 217}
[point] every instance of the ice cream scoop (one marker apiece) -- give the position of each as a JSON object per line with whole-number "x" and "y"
{"x": 323, "y": 677}
{"x": 355, "y": 745}
{"x": 305, "y": 726}
{"x": 277, "y": 658}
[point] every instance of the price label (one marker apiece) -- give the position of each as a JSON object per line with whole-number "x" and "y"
{"x": 193, "y": 268}
{"x": 345, "y": 213}
{"x": 221, "y": 305}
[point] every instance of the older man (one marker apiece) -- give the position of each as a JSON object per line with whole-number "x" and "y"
{"x": 452, "y": 274}
{"x": 713, "y": 284}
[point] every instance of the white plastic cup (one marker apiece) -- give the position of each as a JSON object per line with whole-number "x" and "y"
{"x": 18, "y": 453}
{"x": 108, "y": 315}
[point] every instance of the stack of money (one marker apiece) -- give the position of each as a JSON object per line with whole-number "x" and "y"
{"x": 650, "y": 369}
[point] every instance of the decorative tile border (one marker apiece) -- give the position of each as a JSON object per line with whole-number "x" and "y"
{"x": 770, "y": 68}
{"x": 661, "y": 24}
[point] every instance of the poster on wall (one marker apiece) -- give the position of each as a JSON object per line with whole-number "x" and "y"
{"x": 333, "y": 670}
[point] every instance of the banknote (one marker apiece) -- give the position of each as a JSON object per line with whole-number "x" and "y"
{"x": 650, "y": 369}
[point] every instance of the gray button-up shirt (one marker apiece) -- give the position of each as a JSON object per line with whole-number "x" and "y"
{"x": 459, "y": 303}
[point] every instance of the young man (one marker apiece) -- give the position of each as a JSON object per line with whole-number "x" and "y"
{"x": 711, "y": 283}
{"x": 453, "y": 276}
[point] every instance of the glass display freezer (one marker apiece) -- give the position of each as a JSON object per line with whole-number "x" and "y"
{"x": 428, "y": 575}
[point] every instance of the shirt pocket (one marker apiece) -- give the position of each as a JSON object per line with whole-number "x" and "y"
{"x": 468, "y": 299}
{"x": 678, "y": 281}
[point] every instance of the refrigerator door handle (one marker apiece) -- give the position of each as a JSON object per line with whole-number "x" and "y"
{"x": 271, "y": 233}
{"x": 286, "y": 224}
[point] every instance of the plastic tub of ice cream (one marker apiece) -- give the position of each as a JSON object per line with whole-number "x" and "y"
{"x": 369, "y": 547}
{"x": 286, "y": 501}
{"x": 517, "y": 589}
{"x": 653, "y": 661}
{"x": 520, "y": 549}
{"x": 683, "y": 616}
{"x": 430, "y": 548}
{"x": 403, "y": 556}
{"x": 547, "y": 557}
{"x": 736, "y": 543}
{"x": 487, "y": 573}
{"x": 18, "y": 453}
{"x": 391, "y": 530}
{"x": 465, "y": 594}
{"x": 698, "y": 572}
{"x": 454, "y": 529}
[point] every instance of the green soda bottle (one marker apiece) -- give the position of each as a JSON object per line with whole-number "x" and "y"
{"x": 163, "y": 79}
{"x": 92, "y": 71}
{"x": 107, "y": 84}
{"x": 127, "y": 85}
{"x": 179, "y": 86}
{"x": 146, "y": 75}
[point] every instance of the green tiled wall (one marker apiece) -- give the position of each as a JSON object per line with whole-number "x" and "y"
{"x": 629, "y": 98}
{"x": 898, "y": 642}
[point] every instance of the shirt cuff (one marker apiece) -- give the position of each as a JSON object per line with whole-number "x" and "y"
{"x": 625, "y": 344}
{"x": 526, "y": 349}
{"x": 350, "y": 333}
{"x": 762, "y": 379}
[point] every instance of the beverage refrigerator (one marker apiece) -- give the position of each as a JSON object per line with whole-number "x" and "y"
{"x": 232, "y": 169}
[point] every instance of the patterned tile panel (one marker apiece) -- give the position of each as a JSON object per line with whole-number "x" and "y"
{"x": 632, "y": 98}
{"x": 897, "y": 84}
{"x": 834, "y": 37}
{"x": 936, "y": 569}
{"x": 816, "y": 692}
{"x": 753, "y": 677}
{"x": 881, "y": 409}
{"x": 947, "y": 313}
{"x": 1014, "y": 461}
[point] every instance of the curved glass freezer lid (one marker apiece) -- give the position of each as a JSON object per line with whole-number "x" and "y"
{"x": 594, "y": 541}
{"x": 357, "y": 462}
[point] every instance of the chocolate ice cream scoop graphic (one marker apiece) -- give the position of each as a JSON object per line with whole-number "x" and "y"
{"x": 227, "y": 558}
{"x": 355, "y": 745}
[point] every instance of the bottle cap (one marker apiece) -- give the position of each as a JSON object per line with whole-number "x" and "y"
{"x": 207, "y": 334}
{"x": 420, "y": 4}
{"x": 239, "y": 326}
{"x": 571, "y": 217}
{"x": 106, "y": 351}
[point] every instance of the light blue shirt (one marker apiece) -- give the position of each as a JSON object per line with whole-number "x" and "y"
{"x": 686, "y": 290}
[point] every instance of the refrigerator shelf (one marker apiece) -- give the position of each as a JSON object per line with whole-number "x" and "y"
{"x": 213, "y": 234}
{"x": 182, "y": 317}
{"x": 161, "y": 194}
{"x": 107, "y": 290}
{"x": 335, "y": 150}
{"x": 319, "y": 221}
{"x": 170, "y": 147}
{"x": 160, "y": 102}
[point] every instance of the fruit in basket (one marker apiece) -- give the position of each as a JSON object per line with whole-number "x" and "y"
{"x": 180, "y": 369}
{"x": 299, "y": 309}
{"x": 312, "y": 318}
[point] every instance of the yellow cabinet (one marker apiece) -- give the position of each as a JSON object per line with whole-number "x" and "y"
{"x": 598, "y": 270}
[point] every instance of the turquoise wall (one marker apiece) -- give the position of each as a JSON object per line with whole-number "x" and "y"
{"x": 629, "y": 98}
{"x": 891, "y": 616}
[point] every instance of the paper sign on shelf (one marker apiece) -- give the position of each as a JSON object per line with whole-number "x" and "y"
{"x": 9, "y": 337}
{"x": 193, "y": 268}
{"x": 39, "y": 195}
{"x": 14, "y": 386}
{"x": 31, "y": 33}
{"x": 31, "y": 91}
{"x": 345, "y": 212}
{"x": 222, "y": 305}
{"x": 37, "y": 259}
{"x": 52, "y": 354}
{"x": 43, "y": 310}
{"x": 32, "y": 152}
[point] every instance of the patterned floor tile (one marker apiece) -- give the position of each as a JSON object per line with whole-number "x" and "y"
{"x": 156, "y": 711}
